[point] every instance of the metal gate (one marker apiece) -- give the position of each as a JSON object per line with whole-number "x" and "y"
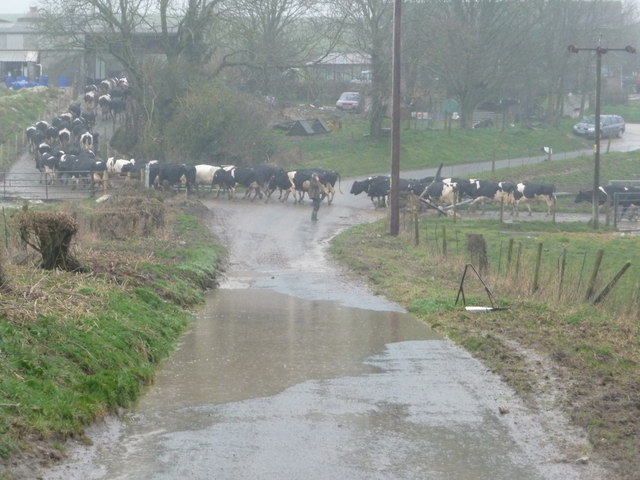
{"x": 16, "y": 186}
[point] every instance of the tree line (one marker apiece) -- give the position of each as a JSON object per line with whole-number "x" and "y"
{"x": 504, "y": 53}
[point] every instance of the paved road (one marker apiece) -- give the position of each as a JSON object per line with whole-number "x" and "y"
{"x": 294, "y": 370}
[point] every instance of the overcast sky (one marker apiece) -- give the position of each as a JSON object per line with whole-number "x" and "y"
{"x": 16, "y": 6}
{"x": 22, "y": 6}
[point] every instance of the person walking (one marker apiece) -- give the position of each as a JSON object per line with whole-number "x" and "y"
{"x": 315, "y": 189}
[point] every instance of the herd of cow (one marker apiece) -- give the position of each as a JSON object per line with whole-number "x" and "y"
{"x": 259, "y": 181}
{"x": 438, "y": 191}
{"x": 64, "y": 151}
{"x": 454, "y": 191}
{"x": 64, "y": 147}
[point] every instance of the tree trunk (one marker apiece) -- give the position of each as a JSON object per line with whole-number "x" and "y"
{"x": 51, "y": 235}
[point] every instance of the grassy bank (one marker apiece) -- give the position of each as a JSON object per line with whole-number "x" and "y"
{"x": 541, "y": 273}
{"x": 351, "y": 152}
{"x": 78, "y": 346}
{"x": 21, "y": 108}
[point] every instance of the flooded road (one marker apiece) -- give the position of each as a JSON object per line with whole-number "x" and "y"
{"x": 294, "y": 370}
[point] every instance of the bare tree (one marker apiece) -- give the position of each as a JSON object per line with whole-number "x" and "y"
{"x": 370, "y": 23}
{"x": 179, "y": 30}
{"x": 477, "y": 47}
{"x": 266, "y": 39}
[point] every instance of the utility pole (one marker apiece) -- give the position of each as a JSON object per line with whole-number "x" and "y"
{"x": 394, "y": 193}
{"x": 596, "y": 147}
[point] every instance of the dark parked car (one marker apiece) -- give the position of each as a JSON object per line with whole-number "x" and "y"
{"x": 610, "y": 126}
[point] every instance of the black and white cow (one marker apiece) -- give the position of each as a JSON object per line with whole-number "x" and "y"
{"x": 42, "y": 125}
{"x": 463, "y": 186}
{"x": 204, "y": 175}
{"x": 34, "y": 137}
{"x": 134, "y": 170}
{"x": 64, "y": 137}
{"x": 104, "y": 101}
{"x": 266, "y": 177}
{"x": 482, "y": 191}
{"x": 117, "y": 106}
{"x": 441, "y": 193}
{"x": 628, "y": 199}
{"x": 247, "y": 178}
{"x": 605, "y": 193}
{"x": 167, "y": 176}
{"x": 297, "y": 179}
{"x": 377, "y": 189}
{"x": 328, "y": 179}
{"x": 91, "y": 99}
{"x": 224, "y": 180}
{"x": 116, "y": 165}
{"x": 47, "y": 164}
{"x": 300, "y": 181}
{"x": 528, "y": 193}
{"x": 75, "y": 109}
{"x": 86, "y": 141}
{"x": 280, "y": 181}
{"x": 84, "y": 167}
{"x": 89, "y": 119}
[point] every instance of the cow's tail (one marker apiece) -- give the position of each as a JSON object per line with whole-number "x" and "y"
{"x": 339, "y": 188}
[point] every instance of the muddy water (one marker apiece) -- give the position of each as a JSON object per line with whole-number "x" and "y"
{"x": 267, "y": 385}
{"x": 295, "y": 371}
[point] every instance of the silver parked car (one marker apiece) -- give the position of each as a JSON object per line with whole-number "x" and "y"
{"x": 610, "y": 126}
{"x": 349, "y": 101}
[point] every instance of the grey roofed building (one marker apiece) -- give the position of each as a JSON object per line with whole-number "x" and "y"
{"x": 340, "y": 66}
{"x": 23, "y": 51}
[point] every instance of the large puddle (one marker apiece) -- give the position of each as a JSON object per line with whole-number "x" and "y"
{"x": 271, "y": 386}
{"x": 294, "y": 371}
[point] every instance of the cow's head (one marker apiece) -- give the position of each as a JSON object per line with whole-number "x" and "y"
{"x": 360, "y": 186}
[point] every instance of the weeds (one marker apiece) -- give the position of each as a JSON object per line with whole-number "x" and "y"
{"x": 77, "y": 347}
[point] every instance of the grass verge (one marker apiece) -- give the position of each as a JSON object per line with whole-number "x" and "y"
{"x": 77, "y": 347}
{"x": 594, "y": 350}
{"x": 352, "y": 152}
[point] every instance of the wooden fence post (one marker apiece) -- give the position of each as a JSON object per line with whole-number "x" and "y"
{"x": 594, "y": 275}
{"x": 536, "y": 273}
{"x": 416, "y": 229}
{"x": 605, "y": 291}
{"x": 6, "y": 229}
{"x": 584, "y": 260}
{"x": 477, "y": 247}
{"x": 444, "y": 240}
{"x": 518, "y": 258}
{"x": 509, "y": 254}
{"x": 105, "y": 182}
{"x": 563, "y": 264}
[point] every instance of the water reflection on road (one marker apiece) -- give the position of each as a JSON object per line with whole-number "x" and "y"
{"x": 268, "y": 386}
{"x": 293, "y": 371}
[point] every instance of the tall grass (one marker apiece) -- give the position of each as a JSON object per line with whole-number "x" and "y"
{"x": 567, "y": 259}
